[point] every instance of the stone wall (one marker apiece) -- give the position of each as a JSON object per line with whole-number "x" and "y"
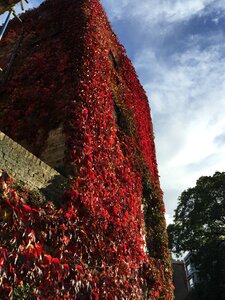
{"x": 54, "y": 149}
{"x": 29, "y": 170}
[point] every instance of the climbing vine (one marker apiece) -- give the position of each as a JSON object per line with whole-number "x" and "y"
{"x": 94, "y": 245}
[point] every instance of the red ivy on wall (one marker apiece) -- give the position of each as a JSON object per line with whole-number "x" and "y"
{"x": 93, "y": 246}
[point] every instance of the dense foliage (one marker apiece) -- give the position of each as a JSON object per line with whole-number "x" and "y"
{"x": 199, "y": 227}
{"x": 75, "y": 72}
{"x": 64, "y": 253}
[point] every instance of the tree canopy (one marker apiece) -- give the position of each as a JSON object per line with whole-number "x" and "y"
{"x": 199, "y": 227}
{"x": 200, "y": 215}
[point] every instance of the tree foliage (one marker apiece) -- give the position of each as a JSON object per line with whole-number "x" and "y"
{"x": 200, "y": 215}
{"x": 199, "y": 227}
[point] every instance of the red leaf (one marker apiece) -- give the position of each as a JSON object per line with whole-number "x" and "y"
{"x": 66, "y": 240}
{"x": 56, "y": 261}
{"x": 47, "y": 258}
{"x": 79, "y": 268}
{"x": 2, "y": 261}
{"x": 27, "y": 208}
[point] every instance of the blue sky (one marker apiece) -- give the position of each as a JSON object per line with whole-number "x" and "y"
{"x": 178, "y": 50}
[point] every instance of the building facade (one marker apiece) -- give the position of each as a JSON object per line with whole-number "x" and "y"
{"x": 179, "y": 280}
{"x": 71, "y": 97}
{"x": 191, "y": 271}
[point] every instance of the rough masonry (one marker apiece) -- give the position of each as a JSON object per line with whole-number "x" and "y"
{"x": 25, "y": 167}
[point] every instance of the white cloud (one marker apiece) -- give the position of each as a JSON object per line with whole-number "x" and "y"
{"x": 169, "y": 219}
{"x": 158, "y": 10}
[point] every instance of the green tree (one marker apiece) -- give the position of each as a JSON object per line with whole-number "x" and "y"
{"x": 199, "y": 227}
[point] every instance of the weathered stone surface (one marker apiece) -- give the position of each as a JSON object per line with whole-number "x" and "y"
{"x": 27, "y": 168}
{"x": 54, "y": 149}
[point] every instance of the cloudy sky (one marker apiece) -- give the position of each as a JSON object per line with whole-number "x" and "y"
{"x": 178, "y": 50}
